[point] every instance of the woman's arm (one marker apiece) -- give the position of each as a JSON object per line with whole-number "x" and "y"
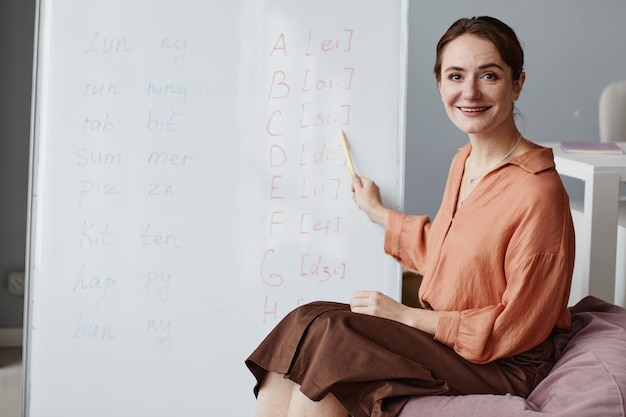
{"x": 366, "y": 194}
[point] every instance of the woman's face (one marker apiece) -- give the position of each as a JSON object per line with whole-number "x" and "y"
{"x": 476, "y": 85}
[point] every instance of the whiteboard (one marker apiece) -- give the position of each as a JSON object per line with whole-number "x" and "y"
{"x": 189, "y": 188}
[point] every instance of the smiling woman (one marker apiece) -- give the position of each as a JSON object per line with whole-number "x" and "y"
{"x": 478, "y": 91}
{"x": 479, "y": 87}
{"x": 480, "y": 75}
{"x": 496, "y": 267}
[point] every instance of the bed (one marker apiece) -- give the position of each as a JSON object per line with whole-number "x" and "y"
{"x": 588, "y": 380}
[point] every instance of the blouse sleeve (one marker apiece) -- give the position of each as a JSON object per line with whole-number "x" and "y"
{"x": 534, "y": 301}
{"x": 517, "y": 324}
{"x": 405, "y": 240}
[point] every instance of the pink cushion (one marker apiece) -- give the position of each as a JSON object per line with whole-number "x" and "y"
{"x": 588, "y": 380}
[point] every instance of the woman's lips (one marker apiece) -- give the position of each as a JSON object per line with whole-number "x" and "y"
{"x": 473, "y": 109}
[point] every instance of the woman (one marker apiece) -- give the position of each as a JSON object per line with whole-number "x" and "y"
{"x": 497, "y": 263}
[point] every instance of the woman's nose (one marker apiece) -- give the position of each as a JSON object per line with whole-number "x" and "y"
{"x": 471, "y": 90}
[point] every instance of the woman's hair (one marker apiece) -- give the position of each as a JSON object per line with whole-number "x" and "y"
{"x": 491, "y": 29}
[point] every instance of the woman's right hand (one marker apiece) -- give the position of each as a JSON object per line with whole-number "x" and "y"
{"x": 366, "y": 195}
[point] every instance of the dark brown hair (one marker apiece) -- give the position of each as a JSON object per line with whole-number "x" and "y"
{"x": 491, "y": 29}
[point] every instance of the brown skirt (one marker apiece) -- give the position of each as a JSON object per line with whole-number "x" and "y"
{"x": 374, "y": 365}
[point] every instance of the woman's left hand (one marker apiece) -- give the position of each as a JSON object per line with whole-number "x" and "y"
{"x": 374, "y": 303}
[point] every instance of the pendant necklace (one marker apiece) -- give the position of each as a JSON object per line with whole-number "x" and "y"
{"x": 472, "y": 180}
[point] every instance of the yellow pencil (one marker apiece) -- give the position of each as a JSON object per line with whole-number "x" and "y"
{"x": 346, "y": 149}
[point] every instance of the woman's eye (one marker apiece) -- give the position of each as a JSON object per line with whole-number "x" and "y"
{"x": 490, "y": 77}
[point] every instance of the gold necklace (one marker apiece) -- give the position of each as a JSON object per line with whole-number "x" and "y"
{"x": 472, "y": 180}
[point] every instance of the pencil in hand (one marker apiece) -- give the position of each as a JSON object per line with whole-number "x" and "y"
{"x": 346, "y": 149}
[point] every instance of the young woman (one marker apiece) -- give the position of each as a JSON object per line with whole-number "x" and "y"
{"x": 497, "y": 262}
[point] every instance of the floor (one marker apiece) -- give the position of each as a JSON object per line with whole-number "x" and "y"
{"x": 10, "y": 382}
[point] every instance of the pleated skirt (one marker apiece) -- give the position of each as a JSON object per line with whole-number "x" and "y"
{"x": 374, "y": 365}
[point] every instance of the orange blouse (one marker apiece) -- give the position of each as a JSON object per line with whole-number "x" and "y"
{"x": 499, "y": 268}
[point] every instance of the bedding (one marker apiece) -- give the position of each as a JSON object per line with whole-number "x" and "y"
{"x": 588, "y": 379}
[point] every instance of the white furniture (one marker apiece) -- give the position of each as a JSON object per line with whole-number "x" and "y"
{"x": 612, "y": 128}
{"x": 596, "y": 221}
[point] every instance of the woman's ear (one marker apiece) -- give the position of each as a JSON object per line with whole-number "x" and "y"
{"x": 519, "y": 84}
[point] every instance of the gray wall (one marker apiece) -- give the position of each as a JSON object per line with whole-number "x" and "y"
{"x": 573, "y": 49}
{"x": 16, "y": 39}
